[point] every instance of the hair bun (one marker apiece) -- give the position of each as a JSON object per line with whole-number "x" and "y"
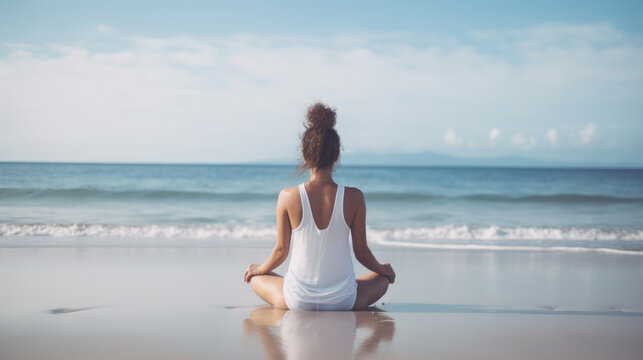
{"x": 321, "y": 116}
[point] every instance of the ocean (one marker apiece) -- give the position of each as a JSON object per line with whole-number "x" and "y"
{"x": 542, "y": 209}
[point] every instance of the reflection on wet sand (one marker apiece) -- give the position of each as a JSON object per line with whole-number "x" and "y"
{"x": 299, "y": 334}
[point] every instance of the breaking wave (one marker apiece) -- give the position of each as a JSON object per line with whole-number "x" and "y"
{"x": 451, "y": 237}
{"x": 77, "y": 194}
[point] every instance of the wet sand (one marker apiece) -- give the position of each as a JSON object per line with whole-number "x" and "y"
{"x": 191, "y": 303}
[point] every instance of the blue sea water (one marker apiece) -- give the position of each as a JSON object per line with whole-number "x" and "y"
{"x": 435, "y": 207}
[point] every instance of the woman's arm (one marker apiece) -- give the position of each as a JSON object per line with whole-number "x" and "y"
{"x": 280, "y": 251}
{"x": 362, "y": 253}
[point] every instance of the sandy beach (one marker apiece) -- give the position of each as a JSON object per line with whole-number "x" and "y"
{"x": 488, "y": 154}
{"x": 71, "y": 302}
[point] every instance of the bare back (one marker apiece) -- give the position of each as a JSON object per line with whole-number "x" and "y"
{"x": 322, "y": 201}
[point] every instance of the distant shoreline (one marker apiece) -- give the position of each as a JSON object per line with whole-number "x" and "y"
{"x": 352, "y": 165}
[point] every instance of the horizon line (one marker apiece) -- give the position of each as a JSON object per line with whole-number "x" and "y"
{"x": 282, "y": 164}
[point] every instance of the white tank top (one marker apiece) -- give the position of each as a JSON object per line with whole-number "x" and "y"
{"x": 321, "y": 269}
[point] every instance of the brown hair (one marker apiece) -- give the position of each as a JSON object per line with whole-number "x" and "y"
{"x": 320, "y": 142}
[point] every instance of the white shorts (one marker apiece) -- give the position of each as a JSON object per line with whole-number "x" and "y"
{"x": 344, "y": 305}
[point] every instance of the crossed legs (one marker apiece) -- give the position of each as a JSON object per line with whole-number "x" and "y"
{"x": 270, "y": 288}
{"x": 370, "y": 288}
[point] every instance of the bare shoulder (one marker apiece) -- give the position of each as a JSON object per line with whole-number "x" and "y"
{"x": 353, "y": 205}
{"x": 289, "y": 195}
{"x": 354, "y": 195}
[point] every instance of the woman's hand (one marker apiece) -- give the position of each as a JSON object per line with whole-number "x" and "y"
{"x": 387, "y": 271}
{"x": 252, "y": 270}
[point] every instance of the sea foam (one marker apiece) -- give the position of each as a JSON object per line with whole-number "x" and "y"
{"x": 445, "y": 232}
{"x": 439, "y": 237}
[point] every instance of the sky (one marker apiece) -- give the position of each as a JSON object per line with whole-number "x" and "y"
{"x": 225, "y": 82}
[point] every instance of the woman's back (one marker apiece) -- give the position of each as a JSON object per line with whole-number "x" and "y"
{"x": 321, "y": 269}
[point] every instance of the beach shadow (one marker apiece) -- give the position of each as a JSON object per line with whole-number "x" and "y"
{"x": 480, "y": 309}
{"x": 317, "y": 334}
{"x": 59, "y": 311}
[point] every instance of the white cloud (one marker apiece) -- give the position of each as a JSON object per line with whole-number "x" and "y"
{"x": 552, "y": 136}
{"x": 203, "y": 57}
{"x": 20, "y": 53}
{"x": 212, "y": 97}
{"x": 104, "y": 29}
{"x": 18, "y": 45}
{"x": 517, "y": 139}
{"x": 562, "y": 34}
{"x": 524, "y": 143}
{"x": 494, "y": 136}
{"x": 450, "y": 138}
{"x": 532, "y": 142}
{"x": 587, "y": 133}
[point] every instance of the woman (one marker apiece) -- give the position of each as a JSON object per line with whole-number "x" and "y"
{"x": 317, "y": 217}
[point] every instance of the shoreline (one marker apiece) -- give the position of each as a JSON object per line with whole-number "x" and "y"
{"x": 148, "y": 242}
